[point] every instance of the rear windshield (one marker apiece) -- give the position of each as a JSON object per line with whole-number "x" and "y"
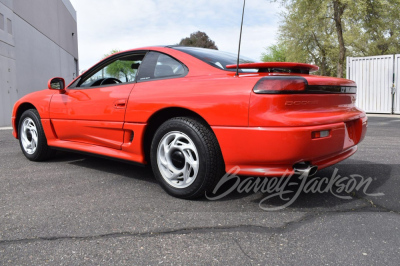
{"x": 217, "y": 58}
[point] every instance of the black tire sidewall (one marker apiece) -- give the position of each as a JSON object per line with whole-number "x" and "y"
{"x": 204, "y": 173}
{"x": 34, "y": 115}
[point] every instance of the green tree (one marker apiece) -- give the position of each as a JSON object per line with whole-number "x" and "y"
{"x": 199, "y": 39}
{"x": 120, "y": 68}
{"x": 274, "y": 53}
{"x": 376, "y": 28}
{"x": 325, "y": 32}
{"x": 308, "y": 36}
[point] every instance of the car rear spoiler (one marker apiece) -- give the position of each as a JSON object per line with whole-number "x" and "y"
{"x": 267, "y": 66}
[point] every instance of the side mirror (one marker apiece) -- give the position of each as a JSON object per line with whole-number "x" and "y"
{"x": 56, "y": 84}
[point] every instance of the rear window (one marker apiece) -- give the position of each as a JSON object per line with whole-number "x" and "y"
{"x": 217, "y": 58}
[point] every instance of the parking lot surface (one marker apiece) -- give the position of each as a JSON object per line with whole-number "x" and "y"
{"x": 79, "y": 209}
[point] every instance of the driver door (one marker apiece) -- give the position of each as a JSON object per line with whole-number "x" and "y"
{"x": 92, "y": 110}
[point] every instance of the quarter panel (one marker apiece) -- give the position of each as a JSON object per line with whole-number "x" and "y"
{"x": 220, "y": 100}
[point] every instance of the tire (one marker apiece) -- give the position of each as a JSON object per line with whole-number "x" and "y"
{"x": 186, "y": 158}
{"x": 32, "y": 139}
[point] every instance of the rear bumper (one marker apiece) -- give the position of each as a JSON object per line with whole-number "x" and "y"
{"x": 272, "y": 151}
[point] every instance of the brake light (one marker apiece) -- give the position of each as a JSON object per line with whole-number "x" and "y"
{"x": 281, "y": 84}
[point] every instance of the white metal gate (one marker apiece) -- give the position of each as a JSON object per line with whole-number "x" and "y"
{"x": 374, "y": 78}
{"x": 396, "y": 88}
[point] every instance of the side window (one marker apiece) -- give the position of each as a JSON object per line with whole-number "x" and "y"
{"x": 123, "y": 69}
{"x": 160, "y": 66}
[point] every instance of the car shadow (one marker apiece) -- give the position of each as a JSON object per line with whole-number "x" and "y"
{"x": 328, "y": 201}
{"x": 115, "y": 167}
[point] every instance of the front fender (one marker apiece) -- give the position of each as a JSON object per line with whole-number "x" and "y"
{"x": 39, "y": 100}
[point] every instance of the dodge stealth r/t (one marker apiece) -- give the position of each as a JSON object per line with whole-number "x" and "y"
{"x": 192, "y": 116}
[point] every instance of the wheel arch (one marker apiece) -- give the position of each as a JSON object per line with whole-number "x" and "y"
{"x": 20, "y": 110}
{"x": 160, "y": 117}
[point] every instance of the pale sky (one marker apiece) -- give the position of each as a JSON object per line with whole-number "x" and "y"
{"x": 104, "y": 25}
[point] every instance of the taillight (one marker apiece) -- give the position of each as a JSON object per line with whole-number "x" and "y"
{"x": 281, "y": 84}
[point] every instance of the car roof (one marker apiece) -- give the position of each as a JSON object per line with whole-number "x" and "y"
{"x": 156, "y": 47}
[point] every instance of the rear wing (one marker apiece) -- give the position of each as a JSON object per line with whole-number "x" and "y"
{"x": 268, "y": 66}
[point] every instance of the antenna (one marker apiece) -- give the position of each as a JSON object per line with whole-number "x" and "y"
{"x": 240, "y": 40}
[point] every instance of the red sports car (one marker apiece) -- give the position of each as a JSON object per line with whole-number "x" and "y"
{"x": 190, "y": 114}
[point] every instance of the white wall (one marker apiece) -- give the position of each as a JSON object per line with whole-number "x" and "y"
{"x": 374, "y": 78}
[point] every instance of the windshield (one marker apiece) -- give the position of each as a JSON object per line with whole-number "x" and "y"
{"x": 217, "y": 58}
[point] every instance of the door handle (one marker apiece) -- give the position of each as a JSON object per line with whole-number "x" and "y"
{"x": 120, "y": 104}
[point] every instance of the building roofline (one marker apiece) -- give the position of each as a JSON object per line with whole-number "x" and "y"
{"x": 70, "y": 8}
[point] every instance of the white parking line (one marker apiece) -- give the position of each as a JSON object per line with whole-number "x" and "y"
{"x": 369, "y": 115}
{"x": 383, "y": 115}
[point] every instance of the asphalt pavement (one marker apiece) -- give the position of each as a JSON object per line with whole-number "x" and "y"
{"x": 82, "y": 210}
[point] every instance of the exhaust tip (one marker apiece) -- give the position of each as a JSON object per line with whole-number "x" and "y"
{"x": 313, "y": 170}
{"x": 303, "y": 167}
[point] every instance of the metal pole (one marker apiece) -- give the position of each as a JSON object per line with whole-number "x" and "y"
{"x": 240, "y": 39}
